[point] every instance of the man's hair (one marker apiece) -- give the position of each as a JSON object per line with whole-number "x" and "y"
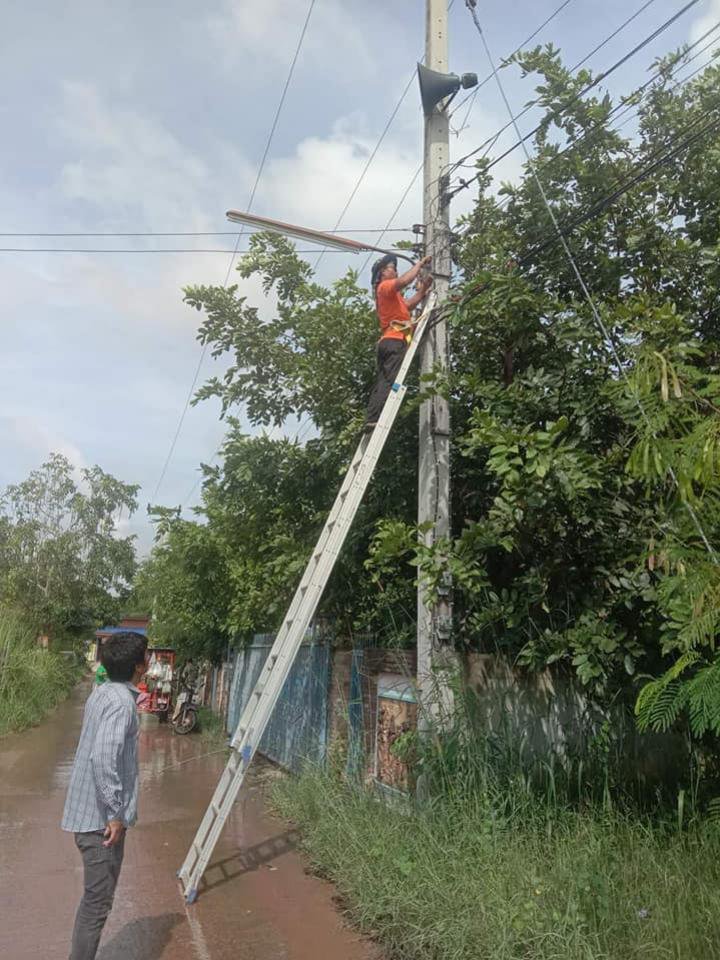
{"x": 378, "y": 267}
{"x": 121, "y": 653}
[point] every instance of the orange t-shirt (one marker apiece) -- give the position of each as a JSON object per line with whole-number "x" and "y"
{"x": 391, "y": 307}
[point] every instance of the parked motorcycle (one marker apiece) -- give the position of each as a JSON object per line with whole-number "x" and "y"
{"x": 185, "y": 718}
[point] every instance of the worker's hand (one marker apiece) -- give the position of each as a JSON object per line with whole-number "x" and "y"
{"x": 113, "y": 833}
{"x": 426, "y": 261}
{"x": 426, "y": 283}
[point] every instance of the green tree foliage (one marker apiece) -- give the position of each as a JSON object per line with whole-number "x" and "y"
{"x": 589, "y": 475}
{"x": 184, "y": 583}
{"x": 585, "y": 465}
{"x": 62, "y": 564}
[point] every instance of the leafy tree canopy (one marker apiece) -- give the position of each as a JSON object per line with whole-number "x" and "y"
{"x": 62, "y": 563}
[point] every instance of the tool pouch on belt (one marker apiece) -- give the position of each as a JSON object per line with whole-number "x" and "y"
{"x": 405, "y": 327}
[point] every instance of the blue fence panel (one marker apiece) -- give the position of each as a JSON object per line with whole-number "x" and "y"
{"x": 298, "y": 728}
{"x": 356, "y": 718}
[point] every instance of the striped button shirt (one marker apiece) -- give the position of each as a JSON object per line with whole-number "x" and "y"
{"x": 104, "y": 780}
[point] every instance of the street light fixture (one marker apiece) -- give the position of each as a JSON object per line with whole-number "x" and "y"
{"x": 305, "y": 233}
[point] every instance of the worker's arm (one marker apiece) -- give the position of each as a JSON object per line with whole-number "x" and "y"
{"x": 405, "y": 279}
{"x": 418, "y": 297}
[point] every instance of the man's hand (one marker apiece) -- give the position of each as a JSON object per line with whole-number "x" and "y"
{"x": 426, "y": 261}
{"x": 113, "y": 833}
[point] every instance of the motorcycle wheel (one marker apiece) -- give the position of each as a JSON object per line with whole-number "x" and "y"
{"x": 186, "y": 722}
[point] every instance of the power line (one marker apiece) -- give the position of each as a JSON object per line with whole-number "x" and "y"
{"x": 521, "y": 46}
{"x": 623, "y": 107}
{"x": 610, "y": 198}
{"x": 261, "y": 167}
{"x": 368, "y": 163}
{"x": 222, "y": 250}
{"x": 199, "y": 480}
{"x": 394, "y": 213}
{"x": 575, "y": 97}
{"x": 372, "y": 156}
{"x": 491, "y": 140}
{"x": 581, "y": 281}
{"x": 678, "y": 143}
{"x": 622, "y": 188}
{"x": 186, "y": 233}
{"x": 489, "y": 77}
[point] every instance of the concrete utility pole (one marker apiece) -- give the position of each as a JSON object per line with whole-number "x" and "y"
{"x": 434, "y": 653}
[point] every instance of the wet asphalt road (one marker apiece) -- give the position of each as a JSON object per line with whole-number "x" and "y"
{"x": 259, "y": 903}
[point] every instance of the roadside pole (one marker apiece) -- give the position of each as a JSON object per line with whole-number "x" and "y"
{"x": 435, "y": 660}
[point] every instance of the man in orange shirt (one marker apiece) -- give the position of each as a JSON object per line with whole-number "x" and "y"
{"x": 396, "y": 324}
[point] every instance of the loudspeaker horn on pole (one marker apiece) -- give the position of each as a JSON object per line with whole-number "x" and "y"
{"x": 435, "y": 86}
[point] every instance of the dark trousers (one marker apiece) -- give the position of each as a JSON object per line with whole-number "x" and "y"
{"x": 390, "y": 353}
{"x": 102, "y": 869}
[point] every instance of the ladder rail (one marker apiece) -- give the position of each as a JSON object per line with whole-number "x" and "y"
{"x": 250, "y": 708}
{"x": 246, "y": 718}
{"x": 258, "y": 711}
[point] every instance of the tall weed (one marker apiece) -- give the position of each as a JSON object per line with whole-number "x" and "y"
{"x": 32, "y": 680}
{"x": 511, "y": 856}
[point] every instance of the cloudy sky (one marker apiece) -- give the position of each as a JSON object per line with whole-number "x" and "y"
{"x": 152, "y": 117}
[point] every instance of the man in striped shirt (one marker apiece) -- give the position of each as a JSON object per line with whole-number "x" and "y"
{"x": 101, "y": 800}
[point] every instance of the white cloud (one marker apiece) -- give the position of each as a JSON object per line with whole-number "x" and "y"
{"x": 253, "y": 32}
{"x": 130, "y": 167}
{"x": 312, "y": 185}
{"x": 38, "y": 438}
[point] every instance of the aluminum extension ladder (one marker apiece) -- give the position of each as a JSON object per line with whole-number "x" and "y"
{"x": 262, "y": 701}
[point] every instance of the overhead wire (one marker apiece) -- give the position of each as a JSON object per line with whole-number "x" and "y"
{"x": 391, "y": 119}
{"x": 581, "y": 93}
{"x": 492, "y": 139}
{"x": 624, "y": 107}
{"x": 197, "y": 483}
{"x": 141, "y": 250}
{"x": 389, "y": 122}
{"x": 688, "y": 137}
{"x": 182, "y": 233}
{"x": 521, "y": 46}
{"x": 367, "y": 166}
{"x": 609, "y": 339}
{"x": 597, "y": 209}
{"x": 261, "y": 167}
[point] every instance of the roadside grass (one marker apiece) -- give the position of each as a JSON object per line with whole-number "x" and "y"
{"x": 212, "y": 727}
{"x": 510, "y": 857}
{"x": 478, "y": 881}
{"x": 32, "y": 681}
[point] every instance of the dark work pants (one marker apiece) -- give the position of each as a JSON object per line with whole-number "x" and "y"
{"x": 390, "y": 353}
{"x": 102, "y": 869}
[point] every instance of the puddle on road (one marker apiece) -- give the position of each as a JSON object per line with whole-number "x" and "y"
{"x": 61, "y": 774}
